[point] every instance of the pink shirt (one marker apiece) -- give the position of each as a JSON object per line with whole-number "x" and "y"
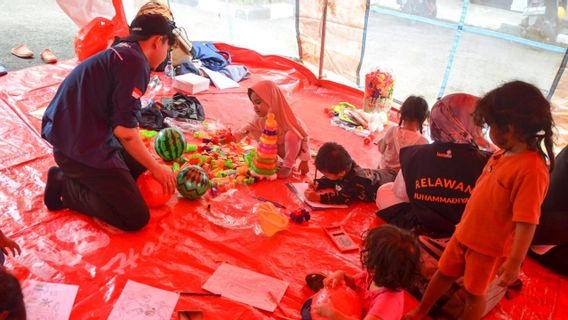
{"x": 395, "y": 139}
{"x": 383, "y": 303}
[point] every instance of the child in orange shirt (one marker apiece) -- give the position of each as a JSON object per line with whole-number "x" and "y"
{"x": 500, "y": 218}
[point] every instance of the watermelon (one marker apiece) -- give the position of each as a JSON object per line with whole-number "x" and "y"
{"x": 192, "y": 182}
{"x": 170, "y": 144}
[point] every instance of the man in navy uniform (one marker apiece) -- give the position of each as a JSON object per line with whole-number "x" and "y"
{"x": 92, "y": 124}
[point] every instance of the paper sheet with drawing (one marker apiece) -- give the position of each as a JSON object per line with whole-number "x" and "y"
{"x": 48, "y": 300}
{"x": 300, "y": 187}
{"x": 140, "y": 301}
{"x": 246, "y": 286}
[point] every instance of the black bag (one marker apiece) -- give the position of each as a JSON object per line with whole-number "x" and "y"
{"x": 151, "y": 117}
{"x": 182, "y": 106}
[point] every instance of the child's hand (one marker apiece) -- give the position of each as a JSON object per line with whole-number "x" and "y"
{"x": 7, "y": 243}
{"x": 509, "y": 272}
{"x": 326, "y": 309}
{"x": 303, "y": 167}
{"x": 312, "y": 195}
{"x": 312, "y": 184}
{"x": 337, "y": 278}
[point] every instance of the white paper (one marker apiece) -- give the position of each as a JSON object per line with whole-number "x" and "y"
{"x": 300, "y": 187}
{"x": 220, "y": 80}
{"x": 142, "y": 302}
{"x": 45, "y": 300}
{"x": 246, "y": 286}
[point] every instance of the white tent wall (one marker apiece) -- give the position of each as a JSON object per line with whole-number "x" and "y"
{"x": 466, "y": 47}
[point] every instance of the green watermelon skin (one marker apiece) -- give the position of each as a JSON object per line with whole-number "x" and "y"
{"x": 192, "y": 182}
{"x": 170, "y": 144}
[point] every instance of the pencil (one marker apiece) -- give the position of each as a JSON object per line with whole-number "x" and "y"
{"x": 276, "y": 204}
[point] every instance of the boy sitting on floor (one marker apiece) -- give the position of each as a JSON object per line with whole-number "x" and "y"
{"x": 348, "y": 180}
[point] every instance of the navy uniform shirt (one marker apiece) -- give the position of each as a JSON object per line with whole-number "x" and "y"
{"x": 99, "y": 94}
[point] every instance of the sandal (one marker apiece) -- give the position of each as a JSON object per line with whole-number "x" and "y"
{"x": 48, "y": 57}
{"x": 314, "y": 281}
{"x": 22, "y": 51}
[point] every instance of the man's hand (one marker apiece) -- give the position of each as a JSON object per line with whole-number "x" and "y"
{"x": 166, "y": 177}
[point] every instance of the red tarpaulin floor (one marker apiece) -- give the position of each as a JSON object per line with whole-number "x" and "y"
{"x": 184, "y": 243}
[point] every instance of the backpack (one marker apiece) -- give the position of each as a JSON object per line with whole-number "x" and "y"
{"x": 210, "y": 56}
{"x": 451, "y": 304}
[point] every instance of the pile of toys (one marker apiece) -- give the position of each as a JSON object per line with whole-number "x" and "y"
{"x": 377, "y": 101}
{"x": 350, "y": 118}
{"x": 379, "y": 87}
{"x": 215, "y": 153}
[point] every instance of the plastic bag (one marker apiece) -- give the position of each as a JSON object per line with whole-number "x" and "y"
{"x": 99, "y": 33}
{"x": 94, "y": 37}
{"x": 83, "y": 12}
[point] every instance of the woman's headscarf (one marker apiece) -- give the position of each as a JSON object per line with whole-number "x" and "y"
{"x": 269, "y": 92}
{"x": 451, "y": 119}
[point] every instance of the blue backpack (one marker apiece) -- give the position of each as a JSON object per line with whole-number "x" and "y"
{"x": 210, "y": 56}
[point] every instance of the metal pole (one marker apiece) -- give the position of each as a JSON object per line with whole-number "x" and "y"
{"x": 558, "y": 76}
{"x": 322, "y": 44}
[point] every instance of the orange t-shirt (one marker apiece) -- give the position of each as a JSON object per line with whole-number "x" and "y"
{"x": 510, "y": 189}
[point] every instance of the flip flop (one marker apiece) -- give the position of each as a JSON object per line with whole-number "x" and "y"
{"x": 314, "y": 281}
{"x": 48, "y": 57}
{"x": 22, "y": 51}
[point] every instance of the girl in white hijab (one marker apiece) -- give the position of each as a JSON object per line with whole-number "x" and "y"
{"x": 293, "y": 141}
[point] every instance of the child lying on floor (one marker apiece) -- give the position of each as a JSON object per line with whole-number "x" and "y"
{"x": 348, "y": 180}
{"x": 390, "y": 258}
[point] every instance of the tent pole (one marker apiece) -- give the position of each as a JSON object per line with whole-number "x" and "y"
{"x": 558, "y": 76}
{"x": 322, "y": 44}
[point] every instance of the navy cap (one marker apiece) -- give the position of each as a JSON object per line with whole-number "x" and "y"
{"x": 148, "y": 25}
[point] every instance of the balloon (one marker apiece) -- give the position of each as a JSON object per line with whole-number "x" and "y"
{"x": 192, "y": 182}
{"x": 152, "y": 190}
{"x": 343, "y": 298}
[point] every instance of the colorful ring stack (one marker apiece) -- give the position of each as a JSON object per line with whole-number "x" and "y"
{"x": 264, "y": 164}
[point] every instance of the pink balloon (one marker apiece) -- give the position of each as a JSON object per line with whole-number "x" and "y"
{"x": 343, "y": 298}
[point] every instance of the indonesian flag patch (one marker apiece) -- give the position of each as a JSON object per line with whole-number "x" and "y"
{"x": 136, "y": 93}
